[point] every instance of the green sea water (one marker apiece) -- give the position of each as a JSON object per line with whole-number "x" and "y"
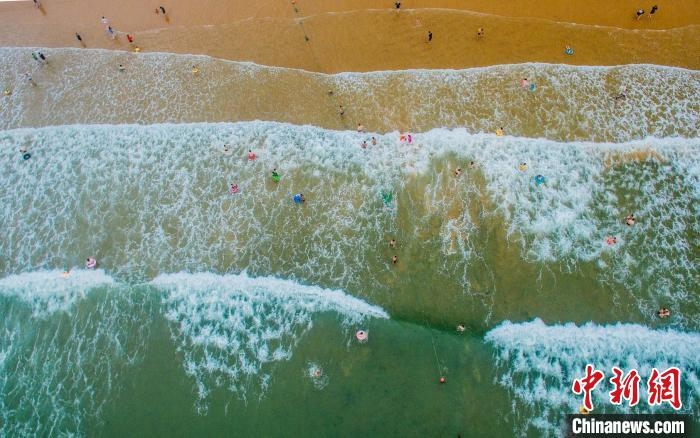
{"x": 214, "y": 313}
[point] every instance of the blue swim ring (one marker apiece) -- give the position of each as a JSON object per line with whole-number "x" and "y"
{"x": 533, "y": 87}
{"x": 27, "y": 156}
{"x": 297, "y": 198}
{"x": 569, "y": 51}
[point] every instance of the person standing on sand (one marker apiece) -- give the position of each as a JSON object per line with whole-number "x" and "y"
{"x": 130, "y": 38}
{"x": 397, "y": 5}
{"x": 640, "y": 12}
{"x": 37, "y": 4}
{"x": 653, "y": 11}
{"x": 105, "y": 22}
{"x": 480, "y": 33}
{"x": 360, "y": 127}
{"x": 430, "y": 36}
{"x": 79, "y": 38}
{"x": 341, "y": 111}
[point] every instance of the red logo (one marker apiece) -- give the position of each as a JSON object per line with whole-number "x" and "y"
{"x": 662, "y": 387}
{"x": 588, "y": 384}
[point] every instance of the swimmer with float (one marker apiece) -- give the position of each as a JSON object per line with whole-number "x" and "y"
{"x": 299, "y": 198}
{"x": 539, "y": 180}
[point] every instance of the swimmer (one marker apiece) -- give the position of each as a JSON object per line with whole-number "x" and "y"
{"x": 234, "y": 189}
{"x": 121, "y": 67}
{"x": 23, "y": 150}
{"x": 364, "y": 144}
{"x": 226, "y": 149}
{"x": 522, "y": 166}
{"x": 663, "y": 313}
{"x": 443, "y": 380}
{"x": 472, "y": 164}
{"x": 7, "y": 92}
{"x": 458, "y": 172}
{"x": 251, "y": 155}
{"x": 524, "y": 83}
{"x": 275, "y": 175}
{"x": 611, "y": 240}
{"x": 360, "y": 127}
{"x": 629, "y": 220}
{"x": 90, "y": 263}
{"x": 392, "y": 243}
{"x": 394, "y": 259}
{"x": 318, "y": 373}
{"x": 500, "y": 132}
{"x": 374, "y": 141}
{"x": 460, "y": 328}
{"x": 66, "y": 273}
{"x": 619, "y": 98}
{"x": 195, "y": 70}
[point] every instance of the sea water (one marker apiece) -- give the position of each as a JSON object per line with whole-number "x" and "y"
{"x": 210, "y": 312}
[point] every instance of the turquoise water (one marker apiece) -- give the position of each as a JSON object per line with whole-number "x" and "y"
{"x": 214, "y": 313}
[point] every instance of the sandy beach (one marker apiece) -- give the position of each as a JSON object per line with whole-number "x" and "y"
{"x": 335, "y": 36}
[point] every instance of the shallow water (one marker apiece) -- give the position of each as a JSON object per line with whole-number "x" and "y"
{"x": 211, "y": 312}
{"x": 569, "y": 103}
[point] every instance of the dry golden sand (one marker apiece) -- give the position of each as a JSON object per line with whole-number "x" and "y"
{"x": 367, "y": 35}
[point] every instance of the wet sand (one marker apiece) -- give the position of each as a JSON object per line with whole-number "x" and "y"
{"x": 368, "y": 35}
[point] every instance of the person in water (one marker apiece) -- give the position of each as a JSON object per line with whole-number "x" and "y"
{"x": 251, "y": 155}
{"x": 275, "y": 175}
{"x": 226, "y": 149}
{"x": 500, "y": 132}
{"x": 460, "y": 328}
{"x": 392, "y": 243}
{"x": 663, "y": 313}
{"x": 629, "y": 220}
{"x": 364, "y": 144}
{"x": 394, "y": 259}
{"x": 458, "y": 172}
{"x": 374, "y": 141}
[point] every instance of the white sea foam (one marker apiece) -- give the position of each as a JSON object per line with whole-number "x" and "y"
{"x": 155, "y": 199}
{"x": 571, "y": 102}
{"x": 47, "y": 292}
{"x": 538, "y": 363}
{"x": 231, "y": 328}
{"x": 59, "y": 369}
